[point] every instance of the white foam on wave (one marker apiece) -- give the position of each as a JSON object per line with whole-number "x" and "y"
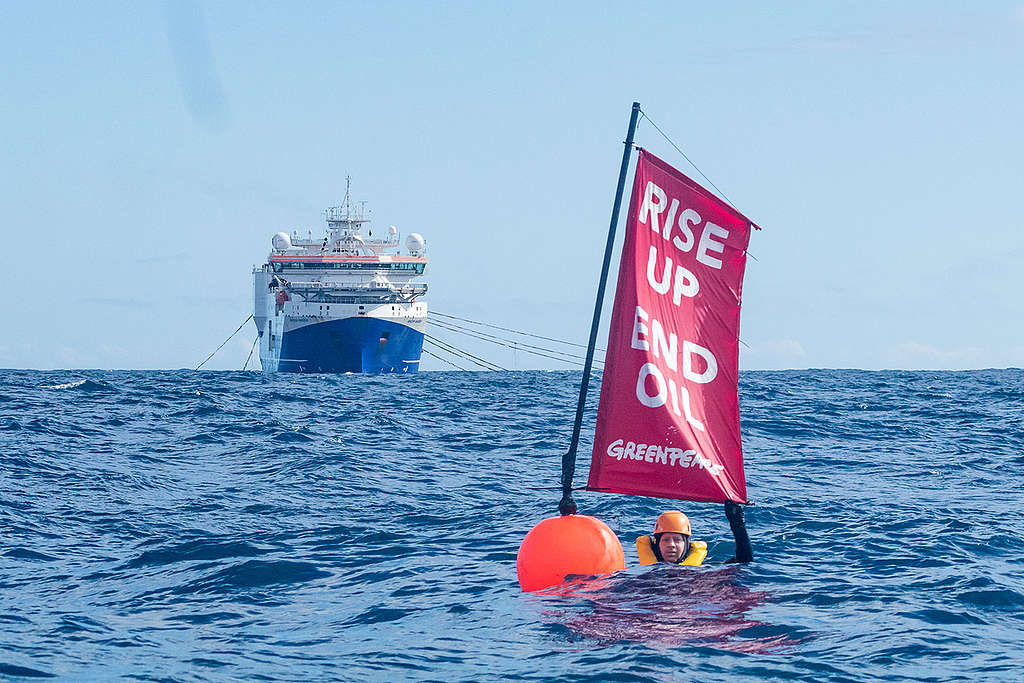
{"x": 69, "y": 385}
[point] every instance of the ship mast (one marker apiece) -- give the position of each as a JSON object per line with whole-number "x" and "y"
{"x": 343, "y": 223}
{"x": 346, "y": 218}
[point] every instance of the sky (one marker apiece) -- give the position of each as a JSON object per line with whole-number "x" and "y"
{"x": 151, "y": 150}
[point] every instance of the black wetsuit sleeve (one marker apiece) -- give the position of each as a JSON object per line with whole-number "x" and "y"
{"x": 734, "y": 513}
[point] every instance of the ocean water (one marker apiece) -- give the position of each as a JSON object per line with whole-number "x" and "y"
{"x": 226, "y": 525}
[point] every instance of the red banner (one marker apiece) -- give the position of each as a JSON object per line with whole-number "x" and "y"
{"x": 668, "y": 424}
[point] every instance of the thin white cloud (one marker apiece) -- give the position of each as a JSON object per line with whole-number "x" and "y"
{"x": 789, "y": 348}
{"x": 926, "y": 353}
{"x": 163, "y": 258}
{"x": 112, "y": 351}
{"x": 69, "y": 357}
{"x": 120, "y": 302}
{"x": 1017, "y": 356}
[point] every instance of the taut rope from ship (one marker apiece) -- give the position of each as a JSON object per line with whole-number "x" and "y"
{"x": 460, "y": 353}
{"x": 512, "y": 344}
{"x": 509, "y": 329}
{"x": 225, "y": 341}
{"x": 443, "y": 360}
{"x": 254, "y": 342}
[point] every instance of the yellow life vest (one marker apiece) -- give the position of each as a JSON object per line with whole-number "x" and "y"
{"x": 694, "y": 558}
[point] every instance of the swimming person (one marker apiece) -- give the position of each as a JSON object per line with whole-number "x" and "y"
{"x": 671, "y": 542}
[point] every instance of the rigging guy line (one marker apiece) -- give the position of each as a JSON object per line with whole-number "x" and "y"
{"x": 485, "y": 364}
{"x": 509, "y": 329}
{"x": 516, "y": 346}
{"x": 225, "y": 341}
{"x": 444, "y": 360}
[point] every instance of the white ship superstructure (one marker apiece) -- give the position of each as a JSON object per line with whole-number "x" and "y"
{"x": 346, "y": 302}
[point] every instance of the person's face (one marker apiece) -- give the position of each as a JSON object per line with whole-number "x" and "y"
{"x": 671, "y": 546}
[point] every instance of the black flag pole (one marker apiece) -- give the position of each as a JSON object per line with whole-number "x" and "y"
{"x": 567, "y": 506}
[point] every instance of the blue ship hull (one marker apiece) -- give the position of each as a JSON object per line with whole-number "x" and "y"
{"x": 360, "y": 344}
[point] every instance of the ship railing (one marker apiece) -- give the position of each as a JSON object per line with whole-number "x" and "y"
{"x": 351, "y": 296}
{"x": 346, "y": 214}
{"x": 362, "y": 287}
{"x": 391, "y": 241}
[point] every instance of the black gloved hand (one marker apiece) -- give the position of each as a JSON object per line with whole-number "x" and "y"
{"x": 734, "y": 513}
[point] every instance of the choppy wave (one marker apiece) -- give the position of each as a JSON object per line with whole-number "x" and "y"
{"x": 193, "y": 526}
{"x": 66, "y": 385}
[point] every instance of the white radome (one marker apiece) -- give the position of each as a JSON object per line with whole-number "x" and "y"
{"x": 281, "y": 241}
{"x": 414, "y": 243}
{"x": 392, "y": 230}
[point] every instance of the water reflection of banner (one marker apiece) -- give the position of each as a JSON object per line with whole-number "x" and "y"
{"x": 668, "y": 424}
{"x": 669, "y": 606}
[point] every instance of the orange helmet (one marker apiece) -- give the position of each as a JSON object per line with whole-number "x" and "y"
{"x": 672, "y": 521}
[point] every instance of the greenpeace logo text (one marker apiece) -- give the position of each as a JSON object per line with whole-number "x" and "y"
{"x": 666, "y": 455}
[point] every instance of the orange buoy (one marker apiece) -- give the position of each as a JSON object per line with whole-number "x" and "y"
{"x": 573, "y": 544}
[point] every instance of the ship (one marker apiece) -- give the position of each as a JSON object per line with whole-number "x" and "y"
{"x": 344, "y": 303}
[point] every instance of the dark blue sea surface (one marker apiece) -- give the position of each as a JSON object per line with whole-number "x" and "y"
{"x": 226, "y": 525}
